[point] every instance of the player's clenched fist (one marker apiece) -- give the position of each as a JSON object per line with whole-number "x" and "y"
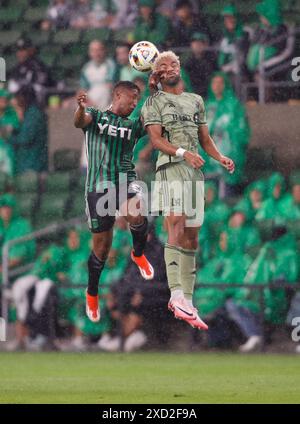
{"x": 228, "y": 164}
{"x": 195, "y": 160}
{"x": 82, "y": 99}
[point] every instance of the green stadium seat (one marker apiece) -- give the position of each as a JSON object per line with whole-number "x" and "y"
{"x": 294, "y": 178}
{"x": 10, "y": 15}
{"x": 265, "y": 228}
{"x": 27, "y": 182}
{"x": 66, "y": 159}
{"x": 52, "y": 209}
{"x": 65, "y": 37}
{"x": 10, "y": 61}
{"x": 58, "y": 182}
{"x": 103, "y": 34}
{"x": 78, "y": 207}
{"x": 294, "y": 228}
{"x": 78, "y": 49}
{"x": 68, "y": 61}
{"x": 48, "y": 58}
{"x": 3, "y": 182}
{"x": 9, "y": 38}
{"x": 24, "y": 27}
{"x": 35, "y": 14}
{"x": 81, "y": 183}
{"x": 120, "y": 35}
{"x": 27, "y": 203}
{"x": 40, "y": 38}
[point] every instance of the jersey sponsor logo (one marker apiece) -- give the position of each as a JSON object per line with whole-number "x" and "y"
{"x": 187, "y": 118}
{"x": 114, "y": 131}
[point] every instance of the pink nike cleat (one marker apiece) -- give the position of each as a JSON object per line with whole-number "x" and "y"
{"x": 184, "y": 312}
{"x": 197, "y": 322}
{"x": 181, "y": 309}
{"x": 146, "y": 269}
{"x": 92, "y": 307}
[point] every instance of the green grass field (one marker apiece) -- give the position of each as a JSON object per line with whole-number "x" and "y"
{"x": 148, "y": 378}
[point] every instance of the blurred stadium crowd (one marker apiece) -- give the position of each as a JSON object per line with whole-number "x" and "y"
{"x": 251, "y": 233}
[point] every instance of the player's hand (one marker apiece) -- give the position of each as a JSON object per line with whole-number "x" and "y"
{"x": 82, "y": 99}
{"x": 228, "y": 164}
{"x": 154, "y": 79}
{"x": 195, "y": 160}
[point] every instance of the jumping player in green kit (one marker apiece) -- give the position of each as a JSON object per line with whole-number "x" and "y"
{"x": 176, "y": 123}
{"x": 110, "y": 138}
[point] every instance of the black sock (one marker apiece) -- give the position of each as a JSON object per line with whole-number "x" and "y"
{"x": 139, "y": 237}
{"x": 95, "y": 267}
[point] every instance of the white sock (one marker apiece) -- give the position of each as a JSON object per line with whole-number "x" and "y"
{"x": 176, "y": 294}
{"x": 190, "y": 303}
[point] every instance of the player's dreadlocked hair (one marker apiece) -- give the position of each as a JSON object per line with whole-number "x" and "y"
{"x": 128, "y": 85}
{"x": 165, "y": 55}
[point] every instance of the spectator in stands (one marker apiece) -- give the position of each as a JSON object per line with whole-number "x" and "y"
{"x": 255, "y": 194}
{"x": 290, "y": 204}
{"x": 201, "y": 63}
{"x": 126, "y": 14}
{"x": 266, "y": 36}
{"x": 12, "y": 227}
{"x": 124, "y": 71}
{"x": 9, "y": 123}
{"x": 272, "y": 207}
{"x": 58, "y": 15}
{"x": 97, "y": 75}
{"x": 81, "y": 14}
{"x": 137, "y": 308}
{"x": 72, "y": 299}
{"x": 31, "y": 294}
{"x": 103, "y": 13}
{"x": 228, "y": 125}
{"x": 186, "y": 24}
{"x": 29, "y": 71}
{"x": 216, "y": 216}
{"x": 276, "y": 263}
{"x": 233, "y": 47}
{"x": 150, "y": 25}
{"x": 239, "y": 230}
{"x": 31, "y": 142}
{"x": 228, "y": 266}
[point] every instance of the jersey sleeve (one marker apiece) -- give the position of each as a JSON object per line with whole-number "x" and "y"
{"x": 140, "y": 129}
{"x": 202, "y": 113}
{"x": 150, "y": 112}
{"x": 93, "y": 112}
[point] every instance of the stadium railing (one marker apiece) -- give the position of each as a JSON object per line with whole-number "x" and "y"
{"x": 277, "y": 64}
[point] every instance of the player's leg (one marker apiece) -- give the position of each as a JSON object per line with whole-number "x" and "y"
{"x": 194, "y": 214}
{"x": 188, "y": 250}
{"x": 138, "y": 225}
{"x": 102, "y": 232}
{"x": 173, "y": 252}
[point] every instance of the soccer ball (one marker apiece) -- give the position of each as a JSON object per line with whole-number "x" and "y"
{"x": 142, "y": 55}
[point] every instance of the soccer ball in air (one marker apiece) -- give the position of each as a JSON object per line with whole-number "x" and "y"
{"x": 142, "y": 55}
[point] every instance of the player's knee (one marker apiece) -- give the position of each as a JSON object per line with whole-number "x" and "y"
{"x": 101, "y": 247}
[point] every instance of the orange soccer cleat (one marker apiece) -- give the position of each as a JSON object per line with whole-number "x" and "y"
{"x": 146, "y": 269}
{"x": 92, "y": 307}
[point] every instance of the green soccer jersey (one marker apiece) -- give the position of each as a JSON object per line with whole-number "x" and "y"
{"x": 180, "y": 116}
{"x": 110, "y": 141}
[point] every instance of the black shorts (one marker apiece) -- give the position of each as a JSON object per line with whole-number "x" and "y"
{"x": 101, "y": 207}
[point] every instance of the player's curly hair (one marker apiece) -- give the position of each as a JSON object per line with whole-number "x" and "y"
{"x": 165, "y": 55}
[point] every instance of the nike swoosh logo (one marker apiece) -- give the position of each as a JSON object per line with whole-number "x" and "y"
{"x": 185, "y": 312}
